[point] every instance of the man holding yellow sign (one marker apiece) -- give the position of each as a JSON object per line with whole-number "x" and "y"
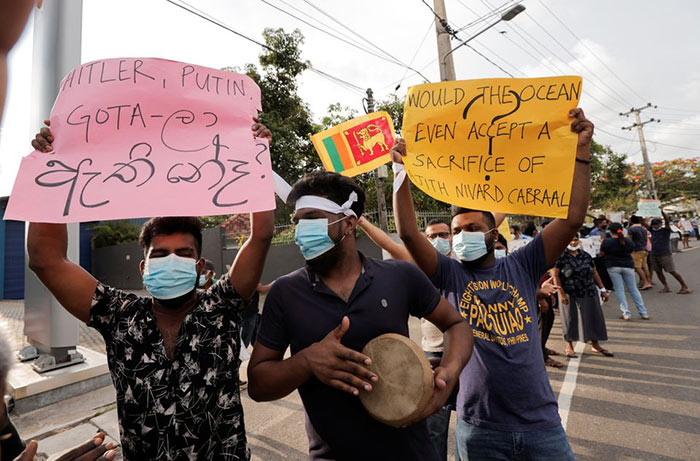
{"x": 505, "y": 404}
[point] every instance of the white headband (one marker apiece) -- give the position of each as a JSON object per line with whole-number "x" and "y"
{"x": 322, "y": 203}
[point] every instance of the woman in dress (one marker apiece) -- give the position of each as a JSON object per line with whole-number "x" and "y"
{"x": 578, "y": 281}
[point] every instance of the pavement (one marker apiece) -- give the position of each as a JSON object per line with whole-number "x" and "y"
{"x": 642, "y": 404}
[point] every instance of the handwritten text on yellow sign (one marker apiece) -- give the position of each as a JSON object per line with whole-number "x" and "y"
{"x": 494, "y": 144}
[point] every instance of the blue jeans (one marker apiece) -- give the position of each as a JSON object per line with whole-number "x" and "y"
{"x": 623, "y": 277}
{"x": 476, "y": 443}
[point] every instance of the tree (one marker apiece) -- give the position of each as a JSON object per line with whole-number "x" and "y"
{"x": 284, "y": 112}
{"x": 611, "y": 184}
{"x": 108, "y": 233}
{"x": 673, "y": 178}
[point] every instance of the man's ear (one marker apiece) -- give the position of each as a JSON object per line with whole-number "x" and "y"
{"x": 352, "y": 224}
{"x": 142, "y": 266}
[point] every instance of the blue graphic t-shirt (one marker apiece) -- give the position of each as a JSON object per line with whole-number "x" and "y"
{"x": 505, "y": 385}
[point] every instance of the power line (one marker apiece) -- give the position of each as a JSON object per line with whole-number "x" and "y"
{"x": 197, "y": 12}
{"x": 516, "y": 28}
{"x": 591, "y": 51}
{"x": 348, "y": 42}
{"x": 454, "y": 35}
{"x": 597, "y": 128}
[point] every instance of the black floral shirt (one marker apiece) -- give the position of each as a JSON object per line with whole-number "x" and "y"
{"x": 185, "y": 408}
{"x": 576, "y": 274}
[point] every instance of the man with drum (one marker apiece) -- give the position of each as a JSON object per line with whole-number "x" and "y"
{"x": 505, "y": 405}
{"x": 328, "y": 311}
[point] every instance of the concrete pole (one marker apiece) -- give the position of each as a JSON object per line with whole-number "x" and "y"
{"x": 447, "y": 66}
{"x": 57, "y": 41}
{"x": 645, "y": 155}
{"x": 378, "y": 182}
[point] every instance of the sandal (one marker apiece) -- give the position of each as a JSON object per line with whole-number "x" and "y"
{"x": 685, "y": 291}
{"x": 571, "y": 354}
{"x": 665, "y": 290}
{"x": 550, "y": 351}
{"x": 553, "y": 363}
{"x": 646, "y": 317}
{"x": 625, "y": 318}
{"x": 604, "y": 352}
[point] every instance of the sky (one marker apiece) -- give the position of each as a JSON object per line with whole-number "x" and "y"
{"x": 629, "y": 52}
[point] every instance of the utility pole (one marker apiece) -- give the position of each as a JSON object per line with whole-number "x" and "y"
{"x": 378, "y": 182}
{"x": 639, "y": 125}
{"x": 447, "y": 65}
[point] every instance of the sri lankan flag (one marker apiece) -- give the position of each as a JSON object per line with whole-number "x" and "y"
{"x": 356, "y": 146}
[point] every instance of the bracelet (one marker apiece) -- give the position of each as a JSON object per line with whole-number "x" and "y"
{"x": 587, "y": 162}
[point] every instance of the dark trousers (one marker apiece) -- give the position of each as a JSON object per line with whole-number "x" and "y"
{"x": 545, "y": 321}
{"x": 439, "y": 423}
{"x": 249, "y": 329}
{"x": 603, "y": 272}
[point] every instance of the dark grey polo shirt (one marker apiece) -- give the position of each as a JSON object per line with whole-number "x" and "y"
{"x": 301, "y": 310}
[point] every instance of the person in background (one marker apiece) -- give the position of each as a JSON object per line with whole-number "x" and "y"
{"x": 695, "y": 222}
{"x": 639, "y": 235}
{"x": 530, "y": 231}
{"x": 575, "y": 275}
{"x": 600, "y": 229}
{"x": 661, "y": 257}
{"x": 686, "y": 228}
{"x": 207, "y": 279}
{"x": 675, "y": 237}
{"x": 12, "y": 447}
{"x": 13, "y": 17}
{"x": 617, "y": 252}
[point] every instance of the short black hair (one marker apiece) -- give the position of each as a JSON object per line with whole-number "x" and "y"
{"x": 436, "y": 221}
{"x": 530, "y": 228}
{"x": 503, "y": 240}
{"x": 209, "y": 266}
{"x": 516, "y": 228}
{"x": 634, "y": 219}
{"x": 169, "y": 225}
{"x": 489, "y": 216}
{"x": 655, "y": 221}
{"x": 333, "y": 186}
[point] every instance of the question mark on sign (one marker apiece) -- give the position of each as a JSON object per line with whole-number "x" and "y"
{"x": 496, "y": 118}
{"x": 257, "y": 156}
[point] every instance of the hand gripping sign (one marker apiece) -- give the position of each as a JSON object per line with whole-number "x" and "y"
{"x": 147, "y": 137}
{"x": 494, "y": 144}
{"x": 356, "y": 146}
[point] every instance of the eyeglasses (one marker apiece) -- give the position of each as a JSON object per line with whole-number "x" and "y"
{"x": 442, "y": 235}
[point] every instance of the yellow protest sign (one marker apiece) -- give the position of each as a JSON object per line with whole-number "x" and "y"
{"x": 494, "y": 144}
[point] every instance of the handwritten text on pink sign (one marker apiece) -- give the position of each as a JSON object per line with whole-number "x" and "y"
{"x": 147, "y": 137}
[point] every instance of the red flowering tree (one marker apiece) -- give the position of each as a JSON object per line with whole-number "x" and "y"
{"x": 673, "y": 178}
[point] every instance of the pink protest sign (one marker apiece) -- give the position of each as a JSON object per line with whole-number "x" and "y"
{"x": 147, "y": 137}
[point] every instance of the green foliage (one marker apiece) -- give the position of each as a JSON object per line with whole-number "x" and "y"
{"x": 284, "y": 112}
{"x": 337, "y": 114}
{"x": 214, "y": 221}
{"x": 673, "y": 178}
{"x": 394, "y": 106}
{"x": 110, "y": 233}
{"x": 611, "y": 187}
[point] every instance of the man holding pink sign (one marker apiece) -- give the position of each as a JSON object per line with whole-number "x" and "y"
{"x": 174, "y": 355}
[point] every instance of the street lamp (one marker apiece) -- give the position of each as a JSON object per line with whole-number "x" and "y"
{"x": 507, "y": 16}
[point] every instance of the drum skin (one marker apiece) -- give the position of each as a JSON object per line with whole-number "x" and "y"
{"x": 405, "y": 382}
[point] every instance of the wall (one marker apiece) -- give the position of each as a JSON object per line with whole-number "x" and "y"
{"x": 118, "y": 266}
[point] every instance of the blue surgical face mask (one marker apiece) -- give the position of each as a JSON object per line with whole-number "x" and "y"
{"x": 202, "y": 280}
{"x": 170, "y": 276}
{"x": 498, "y": 254}
{"x": 570, "y": 248}
{"x": 470, "y": 246}
{"x": 312, "y": 237}
{"x": 441, "y": 245}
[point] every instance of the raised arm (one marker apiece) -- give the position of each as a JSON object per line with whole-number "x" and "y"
{"x": 422, "y": 252}
{"x": 72, "y": 285}
{"x": 247, "y": 268}
{"x": 667, "y": 221}
{"x": 559, "y": 233}
{"x": 383, "y": 241}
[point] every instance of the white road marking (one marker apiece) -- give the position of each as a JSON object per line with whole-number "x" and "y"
{"x": 569, "y": 385}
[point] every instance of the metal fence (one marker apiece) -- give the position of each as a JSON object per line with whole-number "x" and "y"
{"x": 284, "y": 234}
